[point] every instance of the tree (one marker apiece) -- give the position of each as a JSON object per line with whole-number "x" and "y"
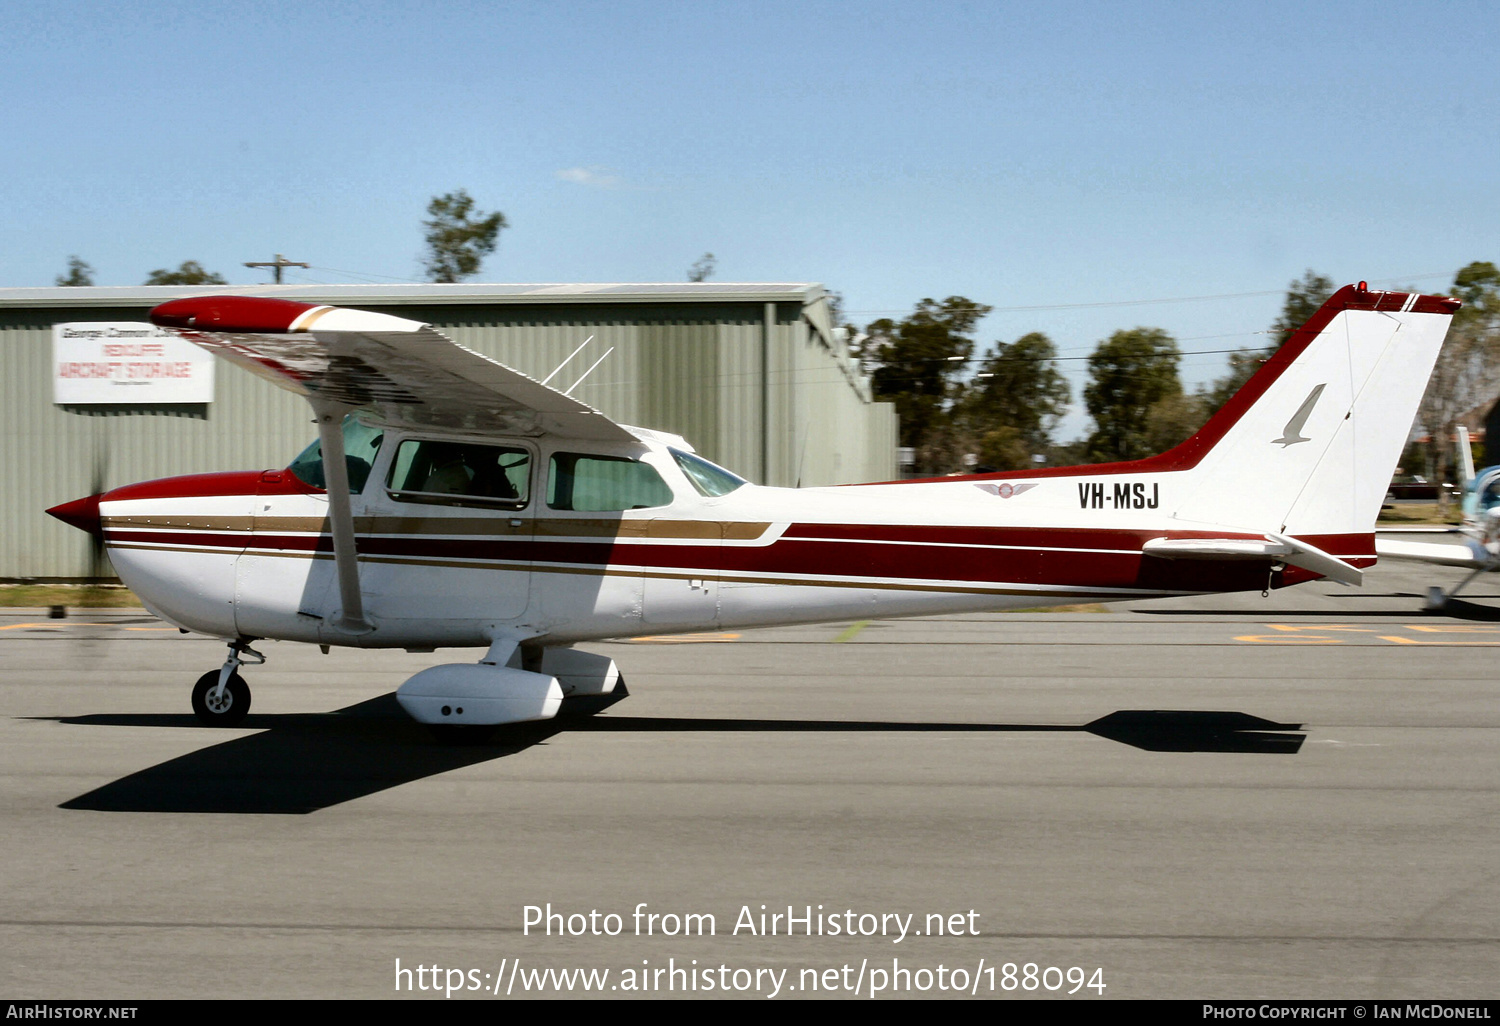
{"x": 1478, "y": 285}
{"x": 1303, "y": 299}
{"x": 1002, "y": 448}
{"x": 1174, "y": 419}
{"x": 836, "y": 311}
{"x": 458, "y": 237}
{"x": 917, "y": 363}
{"x": 1468, "y": 366}
{"x": 1015, "y": 402}
{"x": 703, "y": 268}
{"x": 190, "y": 273}
{"x": 1129, "y": 373}
{"x": 79, "y": 273}
{"x": 1243, "y": 363}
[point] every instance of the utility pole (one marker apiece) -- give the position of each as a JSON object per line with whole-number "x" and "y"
{"x": 278, "y": 263}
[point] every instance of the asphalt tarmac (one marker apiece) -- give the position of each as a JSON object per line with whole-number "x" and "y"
{"x": 1234, "y": 797}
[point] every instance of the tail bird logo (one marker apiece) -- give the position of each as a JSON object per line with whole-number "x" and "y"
{"x": 1292, "y": 433}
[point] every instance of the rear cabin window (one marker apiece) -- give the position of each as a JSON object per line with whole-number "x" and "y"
{"x": 461, "y": 474}
{"x": 604, "y": 483}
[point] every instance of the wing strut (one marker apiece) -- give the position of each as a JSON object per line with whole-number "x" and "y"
{"x": 330, "y": 417}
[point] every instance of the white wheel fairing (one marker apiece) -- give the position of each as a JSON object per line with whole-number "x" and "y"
{"x": 479, "y": 695}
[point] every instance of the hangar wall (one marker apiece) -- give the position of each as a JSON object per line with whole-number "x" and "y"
{"x": 748, "y": 373}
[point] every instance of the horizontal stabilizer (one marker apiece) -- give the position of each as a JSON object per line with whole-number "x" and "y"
{"x": 1471, "y": 555}
{"x": 1273, "y": 546}
{"x": 1215, "y": 548}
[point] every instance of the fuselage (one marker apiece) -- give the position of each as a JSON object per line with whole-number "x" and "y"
{"x": 588, "y": 541}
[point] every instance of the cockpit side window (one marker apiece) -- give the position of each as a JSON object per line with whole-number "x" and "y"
{"x": 461, "y": 474}
{"x": 604, "y": 483}
{"x": 361, "y": 444}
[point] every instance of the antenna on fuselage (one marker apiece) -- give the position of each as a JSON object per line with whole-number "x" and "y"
{"x": 589, "y": 371}
{"x": 560, "y": 366}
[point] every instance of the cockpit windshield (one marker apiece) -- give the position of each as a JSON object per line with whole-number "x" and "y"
{"x": 709, "y": 478}
{"x": 361, "y": 443}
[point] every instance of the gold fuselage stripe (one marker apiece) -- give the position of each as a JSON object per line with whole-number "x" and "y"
{"x": 708, "y": 530}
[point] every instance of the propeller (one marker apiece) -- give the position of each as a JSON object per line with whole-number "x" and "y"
{"x": 99, "y": 567}
{"x": 84, "y": 514}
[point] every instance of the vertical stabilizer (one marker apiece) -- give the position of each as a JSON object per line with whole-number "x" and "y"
{"x": 1308, "y": 446}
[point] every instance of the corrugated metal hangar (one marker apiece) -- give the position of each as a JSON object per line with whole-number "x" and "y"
{"x": 750, "y": 374}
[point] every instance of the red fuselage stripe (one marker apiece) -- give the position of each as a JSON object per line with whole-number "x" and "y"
{"x": 1110, "y": 559}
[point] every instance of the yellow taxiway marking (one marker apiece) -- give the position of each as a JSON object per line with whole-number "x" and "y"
{"x": 54, "y": 625}
{"x": 682, "y": 639}
{"x": 1452, "y": 628}
{"x": 852, "y": 631}
{"x": 1448, "y": 644}
{"x": 1314, "y": 634}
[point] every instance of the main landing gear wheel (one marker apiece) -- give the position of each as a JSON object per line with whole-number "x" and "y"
{"x": 226, "y": 709}
{"x": 226, "y": 706}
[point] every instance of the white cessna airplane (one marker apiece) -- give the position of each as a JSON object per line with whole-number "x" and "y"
{"x": 1474, "y": 545}
{"x": 451, "y": 501}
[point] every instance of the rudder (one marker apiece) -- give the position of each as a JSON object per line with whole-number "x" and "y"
{"x": 1307, "y": 447}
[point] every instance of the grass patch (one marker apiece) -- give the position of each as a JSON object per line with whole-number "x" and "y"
{"x": 1405, "y": 513}
{"x": 81, "y": 596}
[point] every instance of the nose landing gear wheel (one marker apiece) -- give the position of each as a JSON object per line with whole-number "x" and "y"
{"x": 225, "y": 710}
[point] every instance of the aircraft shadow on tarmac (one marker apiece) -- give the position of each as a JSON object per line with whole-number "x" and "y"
{"x": 300, "y": 763}
{"x": 1462, "y": 610}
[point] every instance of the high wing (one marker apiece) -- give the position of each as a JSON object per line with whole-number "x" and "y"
{"x": 406, "y": 371}
{"x": 342, "y": 360}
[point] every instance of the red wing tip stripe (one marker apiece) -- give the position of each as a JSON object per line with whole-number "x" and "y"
{"x": 246, "y": 314}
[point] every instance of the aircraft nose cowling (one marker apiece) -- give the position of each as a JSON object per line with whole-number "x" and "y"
{"x": 80, "y": 513}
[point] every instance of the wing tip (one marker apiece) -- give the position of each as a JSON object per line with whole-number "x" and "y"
{"x": 234, "y": 314}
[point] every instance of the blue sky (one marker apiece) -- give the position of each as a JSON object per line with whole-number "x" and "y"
{"x": 1024, "y": 155}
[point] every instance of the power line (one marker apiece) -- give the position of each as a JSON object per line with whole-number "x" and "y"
{"x": 279, "y": 263}
{"x": 1175, "y": 299}
{"x": 368, "y": 276}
